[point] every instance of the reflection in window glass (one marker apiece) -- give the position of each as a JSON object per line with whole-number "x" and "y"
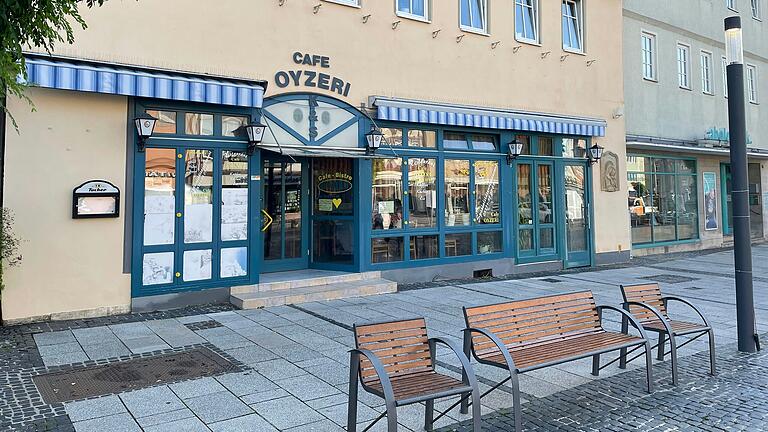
{"x": 524, "y": 198}
{"x": 545, "y": 194}
{"x": 487, "y": 206}
{"x": 166, "y": 121}
{"x": 525, "y": 239}
{"x": 230, "y": 124}
{"x": 422, "y": 193}
{"x": 157, "y": 268}
{"x": 234, "y": 195}
{"x": 198, "y": 196}
{"x": 664, "y": 204}
{"x": 574, "y": 148}
{"x": 159, "y": 196}
{"x": 292, "y": 211}
{"x": 333, "y": 241}
{"x": 458, "y": 244}
{"x": 546, "y": 238}
{"x": 545, "y": 147}
{"x": 687, "y": 210}
{"x": 387, "y": 249}
{"x": 392, "y": 137}
{"x": 639, "y": 214}
{"x": 424, "y": 247}
{"x": 488, "y": 242}
{"x": 198, "y": 124}
{"x": 483, "y": 142}
{"x": 234, "y": 262}
{"x": 456, "y": 192}
{"x": 197, "y": 265}
{"x": 421, "y": 138}
{"x": 387, "y": 194}
{"x": 455, "y": 141}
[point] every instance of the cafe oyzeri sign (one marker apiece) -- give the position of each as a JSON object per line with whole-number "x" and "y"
{"x": 311, "y": 78}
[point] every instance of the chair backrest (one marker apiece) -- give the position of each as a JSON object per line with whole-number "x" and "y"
{"x": 649, "y": 294}
{"x": 402, "y": 346}
{"x": 529, "y": 322}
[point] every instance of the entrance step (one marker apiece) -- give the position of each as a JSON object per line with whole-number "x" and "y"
{"x": 332, "y": 290}
{"x": 302, "y": 279}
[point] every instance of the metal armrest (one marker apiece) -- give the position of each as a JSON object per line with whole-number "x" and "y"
{"x": 381, "y": 372}
{"x": 468, "y": 371}
{"x": 664, "y": 320}
{"x": 666, "y": 299}
{"x": 635, "y": 323}
{"x": 499, "y": 344}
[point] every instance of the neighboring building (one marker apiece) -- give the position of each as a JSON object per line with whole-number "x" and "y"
{"x": 678, "y": 172}
{"x": 450, "y": 84}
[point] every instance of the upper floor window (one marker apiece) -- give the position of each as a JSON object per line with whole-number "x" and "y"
{"x": 418, "y": 9}
{"x": 706, "y": 72}
{"x": 355, "y": 3}
{"x": 731, "y": 4}
{"x": 756, "y": 12}
{"x": 752, "y": 83}
{"x": 724, "y": 64}
{"x": 474, "y": 15}
{"x": 683, "y": 66}
{"x": 527, "y": 20}
{"x": 573, "y": 21}
{"x": 649, "y": 55}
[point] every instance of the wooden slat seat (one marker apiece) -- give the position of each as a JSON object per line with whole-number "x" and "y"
{"x": 525, "y": 335}
{"x": 394, "y": 360}
{"x": 646, "y": 303}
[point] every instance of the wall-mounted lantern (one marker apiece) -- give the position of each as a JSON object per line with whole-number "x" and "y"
{"x": 373, "y": 140}
{"x": 595, "y": 153}
{"x": 145, "y": 126}
{"x": 255, "y": 132}
{"x": 514, "y": 149}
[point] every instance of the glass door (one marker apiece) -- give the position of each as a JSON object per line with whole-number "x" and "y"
{"x": 195, "y": 219}
{"x": 577, "y": 217}
{"x": 283, "y": 214}
{"x": 535, "y": 210}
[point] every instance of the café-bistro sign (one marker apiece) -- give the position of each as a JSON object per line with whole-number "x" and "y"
{"x": 311, "y": 78}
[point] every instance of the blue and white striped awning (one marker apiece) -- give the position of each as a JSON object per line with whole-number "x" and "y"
{"x": 137, "y": 81}
{"x": 467, "y": 116}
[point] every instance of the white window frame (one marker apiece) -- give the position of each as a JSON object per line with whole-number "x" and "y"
{"x": 724, "y": 65}
{"x": 351, "y": 3}
{"x": 654, "y": 76}
{"x": 732, "y": 5}
{"x": 535, "y": 11}
{"x": 684, "y": 69}
{"x": 751, "y": 84}
{"x": 579, "y": 25}
{"x": 427, "y": 11}
{"x": 483, "y": 18}
{"x": 757, "y": 10}
{"x": 706, "y": 72}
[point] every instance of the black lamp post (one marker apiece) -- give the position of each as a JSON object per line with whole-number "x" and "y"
{"x": 255, "y": 132}
{"x": 742, "y": 248}
{"x": 373, "y": 140}
{"x": 145, "y": 126}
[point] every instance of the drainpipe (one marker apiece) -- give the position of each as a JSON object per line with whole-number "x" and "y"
{"x": 3, "y": 116}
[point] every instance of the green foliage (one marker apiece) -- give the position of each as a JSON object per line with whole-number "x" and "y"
{"x": 33, "y": 23}
{"x": 9, "y": 243}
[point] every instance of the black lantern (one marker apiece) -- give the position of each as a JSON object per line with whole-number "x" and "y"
{"x": 595, "y": 153}
{"x": 514, "y": 149}
{"x": 255, "y": 132}
{"x": 373, "y": 139}
{"x": 145, "y": 126}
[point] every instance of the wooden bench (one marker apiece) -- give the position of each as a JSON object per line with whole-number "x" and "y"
{"x": 646, "y": 303}
{"x": 525, "y": 335}
{"x": 396, "y": 361}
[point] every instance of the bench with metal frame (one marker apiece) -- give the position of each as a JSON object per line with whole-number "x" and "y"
{"x": 647, "y": 304}
{"x": 396, "y": 361}
{"x": 525, "y": 335}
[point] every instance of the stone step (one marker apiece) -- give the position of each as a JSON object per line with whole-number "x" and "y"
{"x": 302, "y": 279}
{"x": 336, "y": 290}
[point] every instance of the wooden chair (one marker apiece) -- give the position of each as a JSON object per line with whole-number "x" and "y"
{"x": 396, "y": 361}
{"x": 526, "y": 335}
{"x": 649, "y": 306}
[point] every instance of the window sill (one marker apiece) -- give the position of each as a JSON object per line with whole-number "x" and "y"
{"x": 651, "y": 80}
{"x": 574, "y": 51}
{"x": 684, "y": 88}
{"x": 476, "y": 31}
{"x": 754, "y": 102}
{"x": 531, "y": 42}
{"x": 707, "y": 93}
{"x": 343, "y": 3}
{"x": 413, "y": 17}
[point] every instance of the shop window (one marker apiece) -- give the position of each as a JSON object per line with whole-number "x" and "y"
{"x": 574, "y": 147}
{"x": 455, "y": 141}
{"x": 422, "y": 193}
{"x": 545, "y": 146}
{"x": 159, "y": 197}
{"x": 489, "y": 242}
{"x": 424, "y": 247}
{"x": 535, "y": 210}
{"x": 234, "y": 262}
{"x": 198, "y": 196}
{"x": 198, "y": 124}
{"x": 387, "y": 249}
{"x": 230, "y": 124}
{"x": 387, "y": 194}
{"x": 333, "y": 187}
{"x": 487, "y": 205}
{"x": 166, "y": 121}
{"x": 526, "y": 140}
{"x": 458, "y": 244}
{"x": 393, "y": 136}
{"x": 474, "y": 15}
{"x": 544, "y": 179}
{"x": 524, "y": 198}
{"x": 484, "y": 142}
{"x": 457, "y": 192}
{"x": 640, "y": 215}
{"x": 422, "y": 138}
{"x": 333, "y": 241}
{"x": 234, "y": 196}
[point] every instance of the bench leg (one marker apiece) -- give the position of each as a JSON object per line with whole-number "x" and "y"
{"x": 673, "y": 352}
{"x": 712, "y": 369}
{"x": 353, "y": 389}
{"x": 623, "y": 352}
{"x": 596, "y": 365}
{"x": 429, "y": 414}
{"x": 649, "y": 366}
{"x": 468, "y": 353}
{"x": 476, "y": 415}
{"x": 516, "y": 400}
{"x": 662, "y": 344}
{"x": 391, "y": 416}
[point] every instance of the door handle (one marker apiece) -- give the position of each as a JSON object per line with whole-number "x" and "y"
{"x": 269, "y": 220}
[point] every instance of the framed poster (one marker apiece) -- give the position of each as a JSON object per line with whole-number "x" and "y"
{"x": 96, "y": 199}
{"x": 710, "y": 201}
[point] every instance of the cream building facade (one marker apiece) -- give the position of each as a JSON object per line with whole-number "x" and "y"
{"x": 449, "y": 83}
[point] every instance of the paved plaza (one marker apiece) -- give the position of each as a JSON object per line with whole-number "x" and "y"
{"x": 293, "y": 364}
